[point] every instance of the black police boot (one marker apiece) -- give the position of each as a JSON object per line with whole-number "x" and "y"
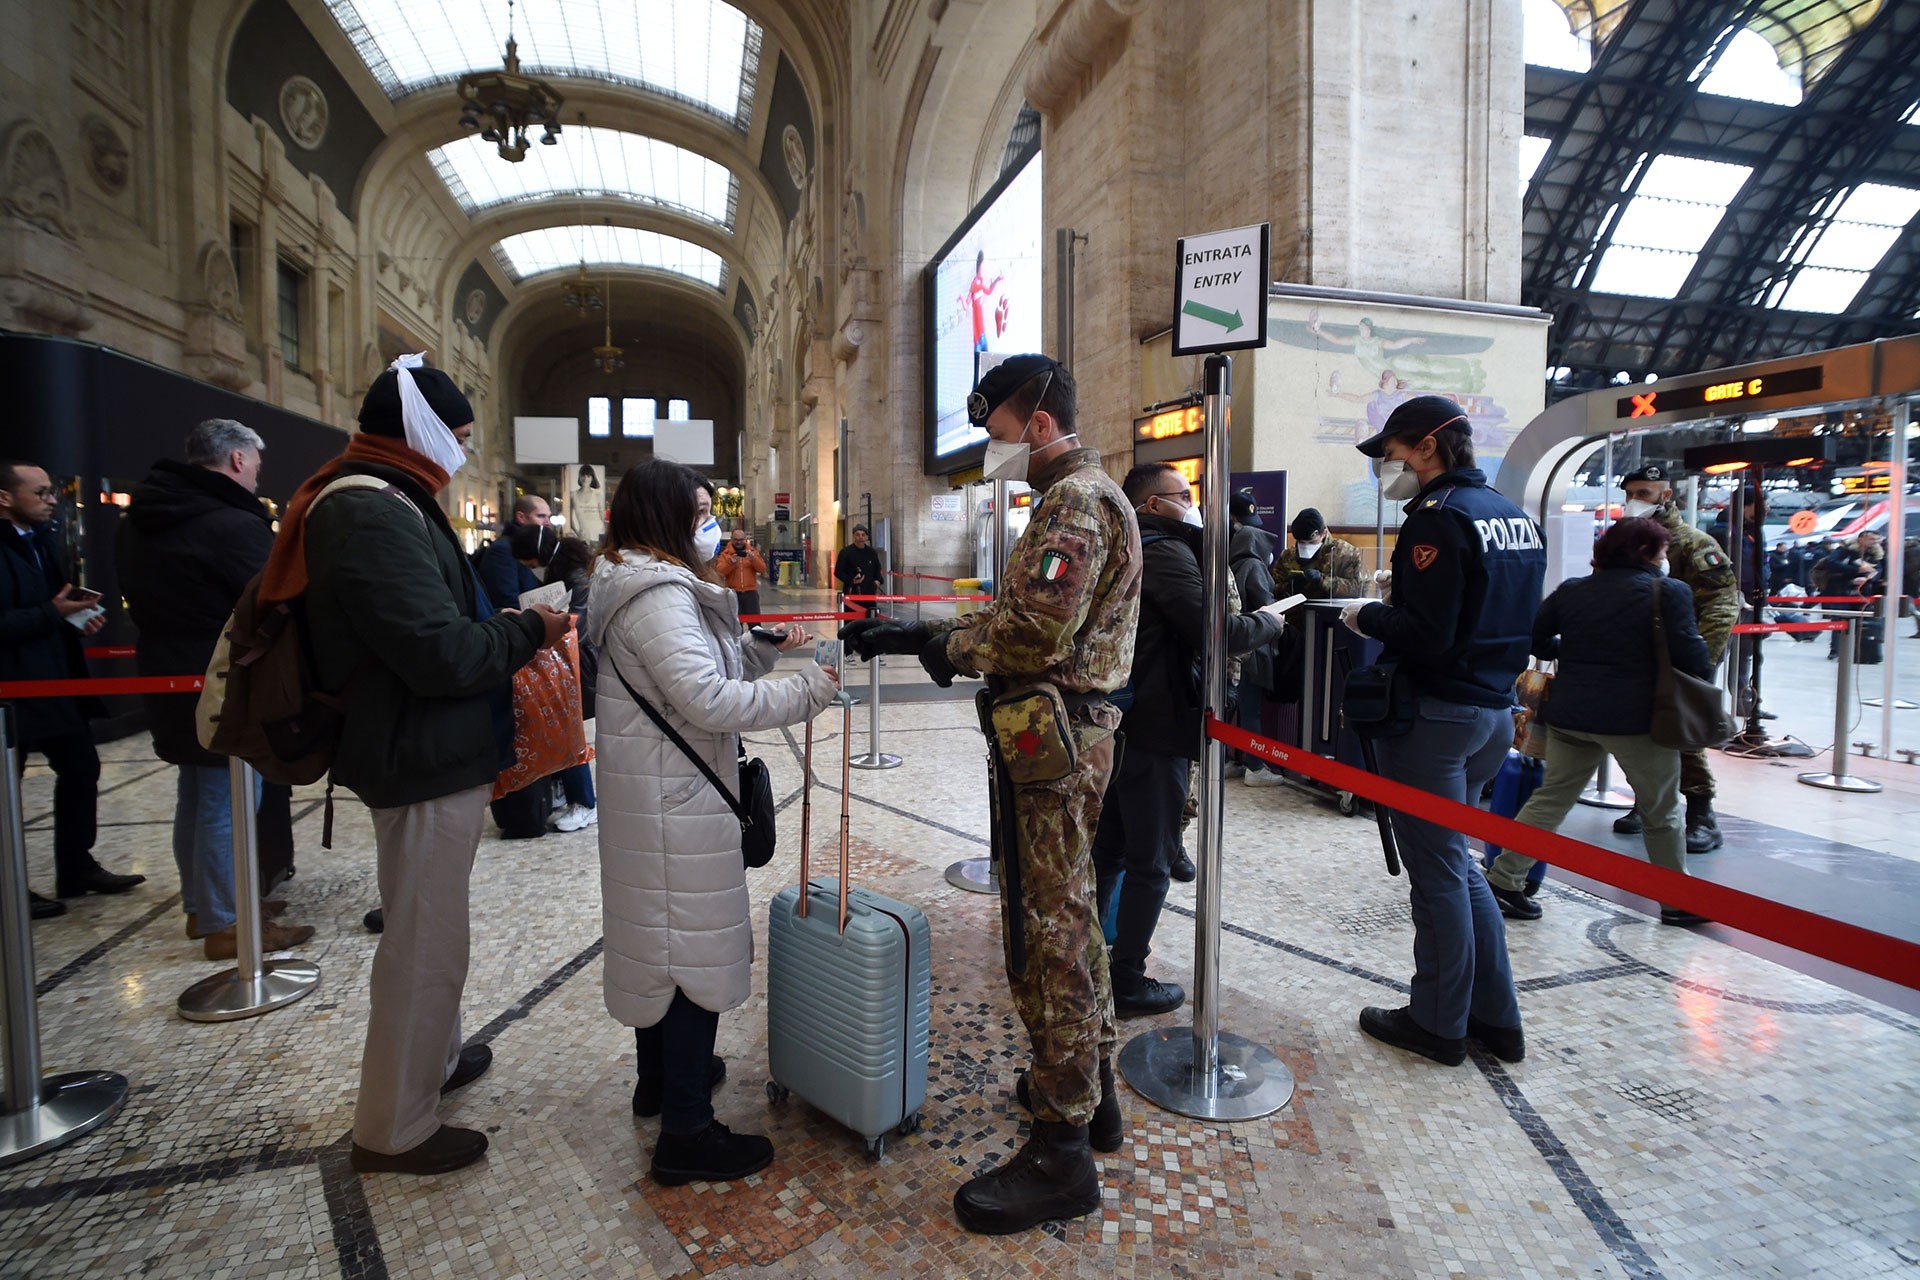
{"x": 1703, "y": 829}
{"x": 1628, "y": 824}
{"x": 1053, "y": 1176}
{"x": 1103, "y": 1131}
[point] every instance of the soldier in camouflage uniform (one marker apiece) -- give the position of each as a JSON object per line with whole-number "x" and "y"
{"x": 1065, "y": 615}
{"x": 1318, "y": 565}
{"x": 1697, "y": 560}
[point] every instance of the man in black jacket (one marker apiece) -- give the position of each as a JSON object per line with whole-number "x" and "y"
{"x": 1139, "y": 829}
{"x": 37, "y": 596}
{"x": 193, "y": 537}
{"x": 505, "y": 578}
{"x": 858, "y": 569}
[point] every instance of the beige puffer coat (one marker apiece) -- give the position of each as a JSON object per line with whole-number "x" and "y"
{"x": 673, "y": 887}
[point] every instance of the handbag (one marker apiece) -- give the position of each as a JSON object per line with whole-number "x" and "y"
{"x": 1689, "y": 714}
{"x": 1530, "y": 692}
{"x": 754, "y": 807}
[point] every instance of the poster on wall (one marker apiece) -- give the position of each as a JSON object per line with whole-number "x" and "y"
{"x": 1341, "y": 365}
{"x": 587, "y": 502}
{"x": 983, "y": 297}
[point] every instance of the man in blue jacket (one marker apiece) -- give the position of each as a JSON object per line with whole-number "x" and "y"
{"x": 1467, "y": 571}
{"x": 504, "y": 577}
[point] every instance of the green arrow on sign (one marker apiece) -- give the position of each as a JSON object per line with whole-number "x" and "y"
{"x": 1213, "y": 315}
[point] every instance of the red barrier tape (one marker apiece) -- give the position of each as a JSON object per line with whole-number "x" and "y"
{"x": 1768, "y": 628}
{"x": 112, "y": 684}
{"x": 909, "y": 599}
{"x": 751, "y": 618}
{"x": 111, "y": 651}
{"x": 1893, "y": 959}
{"x": 1821, "y": 599}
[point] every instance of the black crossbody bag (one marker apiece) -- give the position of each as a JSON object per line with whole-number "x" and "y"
{"x": 754, "y": 806}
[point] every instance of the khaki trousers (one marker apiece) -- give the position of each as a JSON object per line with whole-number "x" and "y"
{"x": 420, "y": 968}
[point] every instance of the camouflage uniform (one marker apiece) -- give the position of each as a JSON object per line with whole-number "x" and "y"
{"x": 1341, "y": 574}
{"x": 1696, "y": 559}
{"x": 1066, "y": 615}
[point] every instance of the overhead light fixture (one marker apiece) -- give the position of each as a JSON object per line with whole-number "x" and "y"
{"x": 608, "y": 358}
{"x": 504, "y": 104}
{"x": 582, "y": 294}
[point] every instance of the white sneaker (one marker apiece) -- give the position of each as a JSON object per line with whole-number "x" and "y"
{"x": 1262, "y": 778}
{"x": 1234, "y": 769}
{"x": 576, "y": 817}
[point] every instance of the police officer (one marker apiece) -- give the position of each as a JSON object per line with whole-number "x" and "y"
{"x": 1065, "y": 616}
{"x": 1697, "y": 560}
{"x": 1467, "y": 570}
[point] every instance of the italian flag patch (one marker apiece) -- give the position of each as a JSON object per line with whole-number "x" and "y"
{"x": 1053, "y": 566}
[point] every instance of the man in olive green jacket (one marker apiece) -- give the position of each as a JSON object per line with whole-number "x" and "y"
{"x": 398, "y": 627}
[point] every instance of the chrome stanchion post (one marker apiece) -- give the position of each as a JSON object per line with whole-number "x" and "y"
{"x": 37, "y": 1113}
{"x": 1202, "y": 1071}
{"x": 252, "y": 986}
{"x": 1838, "y": 779}
{"x": 875, "y": 758}
{"x": 1601, "y": 795}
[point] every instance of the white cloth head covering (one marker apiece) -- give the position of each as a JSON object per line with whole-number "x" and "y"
{"x": 426, "y": 434}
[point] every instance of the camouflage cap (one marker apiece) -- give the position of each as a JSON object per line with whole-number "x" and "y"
{"x": 1001, "y": 381}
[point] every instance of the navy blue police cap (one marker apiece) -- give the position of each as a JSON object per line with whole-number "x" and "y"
{"x": 1415, "y": 420}
{"x": 1002, "y": 381}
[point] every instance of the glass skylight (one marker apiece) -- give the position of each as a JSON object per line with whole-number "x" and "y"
{"x": 1532, "y": 151}
{"x": 1835, "y": 261}
{"x": 701, "y": 51}
{"x": 1547, "y": 38}
{"x": 636, "y": 418}
{"x": 1674, "y": 209}
{"x": 590, "y": 162}
{"x": 597, "y": 415}
{"x": 1749, "y": 67}
{"x": 563, "y": 248}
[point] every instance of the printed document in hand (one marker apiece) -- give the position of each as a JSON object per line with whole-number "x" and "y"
{"x": 555, "y": 595}
{"x": 1281, "y": 606}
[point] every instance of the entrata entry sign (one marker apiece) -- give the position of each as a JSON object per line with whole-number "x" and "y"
{"x": 1220, "y": 291}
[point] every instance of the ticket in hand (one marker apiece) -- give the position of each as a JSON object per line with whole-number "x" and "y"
{"x": 1281, "y": 606}
{"x": 826, "y": 652}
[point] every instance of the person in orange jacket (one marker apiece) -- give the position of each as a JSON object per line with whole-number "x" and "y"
{"x": 740, "y": 568}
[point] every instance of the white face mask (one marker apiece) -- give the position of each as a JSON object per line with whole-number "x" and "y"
{"x": 1307, "y": 550}
{"x": 425, "y": 433}
{"x": 706, "y": 538}
{"x": 1397, "y": 480}
{"x": 1661, "y": 566}
{"x": 1192, "y": 516}
{"x": 1007, "y": 461}
{"x": 1635, "y": 507}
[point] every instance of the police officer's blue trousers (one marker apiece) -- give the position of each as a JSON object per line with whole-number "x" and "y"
{"x": 1459, "y": 944}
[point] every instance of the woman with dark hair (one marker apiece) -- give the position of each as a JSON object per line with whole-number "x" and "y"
{"x": 679, "y": 943}
{"x": 1600, "y": 628}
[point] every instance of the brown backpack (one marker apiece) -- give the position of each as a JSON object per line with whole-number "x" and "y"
{"x": 260, "y": 701}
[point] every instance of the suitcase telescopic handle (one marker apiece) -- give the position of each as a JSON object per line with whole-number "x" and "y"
{"x": 846, "y": 800}
{"x": 806, "y": 813}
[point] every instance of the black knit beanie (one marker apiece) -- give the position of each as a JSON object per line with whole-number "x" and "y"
{"x": 380, "y": 411}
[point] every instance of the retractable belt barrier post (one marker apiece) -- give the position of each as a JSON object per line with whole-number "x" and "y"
{"x": 975, "y": 875}
{"x": 1837, "y": 778}
{"x": 874, "y": 758}
{"x": 1203, "y": 1071}
{"x": 1602, "y": 795}
{"x": 37, "y": 1113}
{"x": 252, "y": 986}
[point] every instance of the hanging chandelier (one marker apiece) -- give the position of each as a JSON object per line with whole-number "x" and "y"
{"x": 504, "y": 104}
{"x": 608, "y": 358}
{"x": 582, "y": 294}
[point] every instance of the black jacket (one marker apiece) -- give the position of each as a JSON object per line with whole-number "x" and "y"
{"x": 35, "y": 641}
{"x": 862, "y": 563}
{"x": 1250, "y": 560}
{"x": 1165, "y": 717}
{"x": 190, "y": 542}
{"x": 1467, "y": 571}
{"x": 503, "y": 577}
{"x": 1601, "y": 629}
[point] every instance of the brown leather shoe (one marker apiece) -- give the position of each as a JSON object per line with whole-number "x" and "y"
{"x": 269, "y": 909}
{"x": 225, "y": 945}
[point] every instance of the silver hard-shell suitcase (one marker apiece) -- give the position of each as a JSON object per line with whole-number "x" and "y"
{"x": 848, "y": 992}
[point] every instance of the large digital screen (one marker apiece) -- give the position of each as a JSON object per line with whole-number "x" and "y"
{"x": 983, "y": 298}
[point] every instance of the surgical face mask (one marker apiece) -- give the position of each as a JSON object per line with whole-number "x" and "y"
{"x": 1307, "y": 550}
{"x": 1397, "y": 480}
{"x": 1661, "y": 566}
{"x": 1635, "y": 507}
{"x": 706, "y": 538}
{"x": 1192, "y": 516}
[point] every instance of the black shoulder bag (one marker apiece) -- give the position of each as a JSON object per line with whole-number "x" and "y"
{"x": 754, "y": 807}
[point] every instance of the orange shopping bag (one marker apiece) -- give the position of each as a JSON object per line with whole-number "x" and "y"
{"x": 548, "y": 733}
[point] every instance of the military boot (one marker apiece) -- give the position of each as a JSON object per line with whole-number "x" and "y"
{"x": 1104, "y": 1131}
{"x": 1703, "y": 829}
{"x": 1053, "y": 1176}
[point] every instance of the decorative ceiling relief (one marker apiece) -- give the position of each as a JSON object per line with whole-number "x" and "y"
{"x": 33, "y": 185}
{"x": 109, "y": 162}
{"x": 303, "y": 112}
{"x": 219, "y": 284}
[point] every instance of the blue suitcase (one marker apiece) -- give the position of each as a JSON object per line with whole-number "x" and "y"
{"x": 849, "y": 1003}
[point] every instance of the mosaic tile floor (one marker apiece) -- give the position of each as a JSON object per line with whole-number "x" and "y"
{"x": 1686, "y": 1109}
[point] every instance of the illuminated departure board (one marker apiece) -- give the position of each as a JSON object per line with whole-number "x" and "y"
{"x": 1736, "y": 393}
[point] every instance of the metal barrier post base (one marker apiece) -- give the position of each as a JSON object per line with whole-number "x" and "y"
{"x": 228, "y": 997}
{"x": 1251, "y": 1083}
{"x": 1841, "y": 782}
{"x": 72, "y": 1103}
{"x": 883, "y": 760}
{"x": 975, "y": 875}
{"x": 1608, "y": 799}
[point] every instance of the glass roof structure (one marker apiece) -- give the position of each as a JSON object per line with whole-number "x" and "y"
{"x": 1547, "y": 38}
{"x": 533, "y": 253}
{"x": 590, "y": 162}
{"x": 1749, "y": 67}
{"x": 1532, "y": 151}
{"x": 1835, "y": 259}
{"x": 1659, "y": 235}
{"x": 702, "y": 52}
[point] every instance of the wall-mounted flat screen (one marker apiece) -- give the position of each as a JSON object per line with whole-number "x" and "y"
{"x": 983, "y": 296}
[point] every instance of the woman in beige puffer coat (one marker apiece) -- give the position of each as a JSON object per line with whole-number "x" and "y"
{"x": 679, "y": 940}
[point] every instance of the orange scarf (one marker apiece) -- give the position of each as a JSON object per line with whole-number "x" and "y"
{"x": 286, "y": 573}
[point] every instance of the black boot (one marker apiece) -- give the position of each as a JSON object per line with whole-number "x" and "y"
{"x": 1053, "y": 1176}
{"x": 715, "y": 1154}
{"x": 1103, "y": 1131}
{"x": 1703, "y": 829}
{"x": 1628, "y": 823}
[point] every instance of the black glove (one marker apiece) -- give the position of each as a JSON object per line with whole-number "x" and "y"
{"x": 870, "y": 637}
{"x": 933, "y": 656}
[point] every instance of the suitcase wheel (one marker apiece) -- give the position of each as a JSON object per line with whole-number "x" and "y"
{"x": 1345, "y": 802}
{"x": 876, "y": 1147}
{"x": 776, "y": 1092}
{"x": 909, "y": 1126}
